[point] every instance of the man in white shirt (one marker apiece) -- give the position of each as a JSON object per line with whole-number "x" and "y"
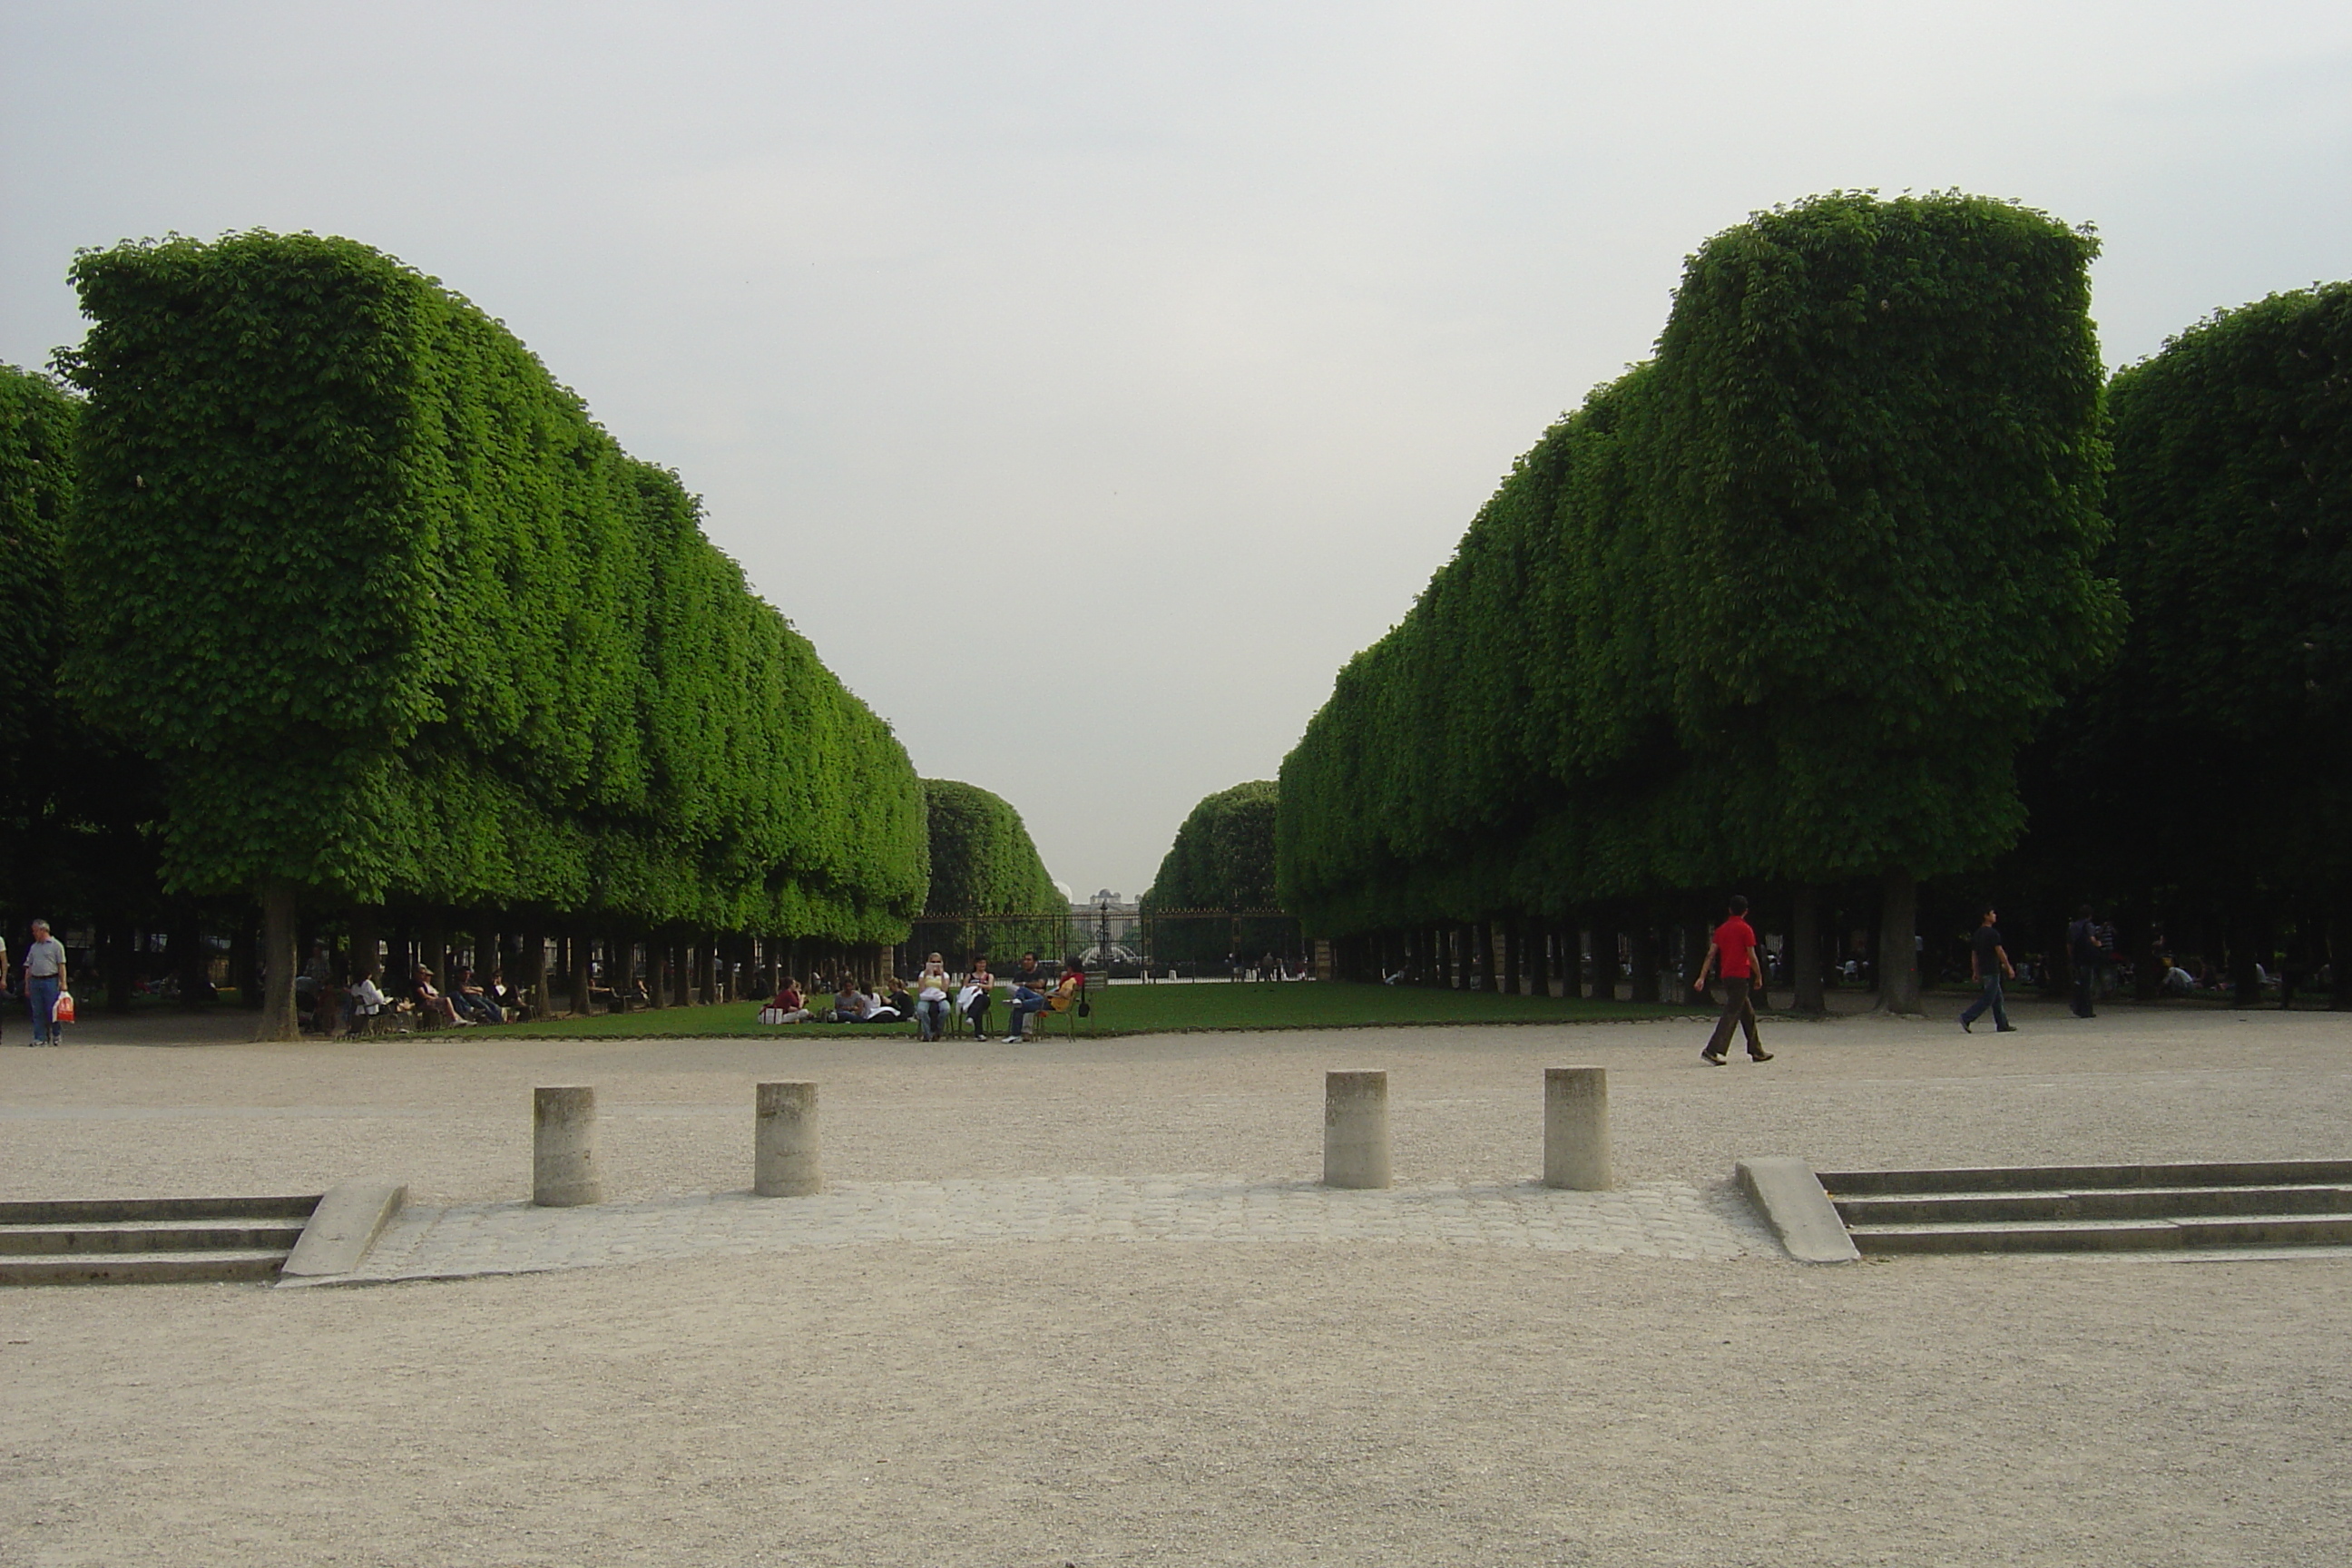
{"x": 44, "y": 976}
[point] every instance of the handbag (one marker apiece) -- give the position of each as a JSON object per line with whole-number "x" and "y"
{"x": 63, "y": 1013}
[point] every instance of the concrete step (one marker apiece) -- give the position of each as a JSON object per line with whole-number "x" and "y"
{"x": 2017, "y": 1236}
{"x": 2099, "y": 1204}
{"x": 143, "y": 1267}
{"x": 111, "y": 1211}
{"x": 2108, "y": 1236}
{"x": 186, "y": 1236}
{"x": 2074, "y": 1178}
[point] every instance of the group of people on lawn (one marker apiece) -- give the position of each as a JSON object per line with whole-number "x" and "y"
{"x": 936, "y": 1001}
{"x": 335, "y": 1005}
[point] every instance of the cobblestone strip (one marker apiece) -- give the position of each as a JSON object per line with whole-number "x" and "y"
{"x": 1666, "y": 1220}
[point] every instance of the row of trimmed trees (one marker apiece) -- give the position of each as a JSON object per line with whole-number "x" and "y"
{"x": 362, "y": 617}
{"x": 1780, "y": 608}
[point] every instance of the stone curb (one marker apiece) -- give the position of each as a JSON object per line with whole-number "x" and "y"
{"x": 343, "y": 1227}
{"x": 1790, "y": 1198}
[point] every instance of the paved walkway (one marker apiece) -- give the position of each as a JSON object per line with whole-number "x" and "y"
{"x": 460, "y": 1240}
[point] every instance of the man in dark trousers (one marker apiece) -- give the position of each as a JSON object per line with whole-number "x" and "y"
{"x": 2082, "y": 956}
{"x": 1987, "y": 962}
{"x": 1734, "y": 947}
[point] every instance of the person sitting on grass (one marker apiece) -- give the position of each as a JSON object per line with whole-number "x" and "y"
{"x": 848, "y": 1002}
{"x": 787, "y": 1005}
{"x": 897, "y": 1002}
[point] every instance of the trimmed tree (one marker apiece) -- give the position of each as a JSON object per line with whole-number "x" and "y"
{"x": 395, "y": 617}
{"x": 1782, "y": 603}
{"x": 984, "y": 863}
{"x": 1223, "y": 859}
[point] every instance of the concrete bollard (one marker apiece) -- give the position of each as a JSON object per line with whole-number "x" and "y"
{"x": 565, "y": 1171}
{"x": 1356, "y": 1128}
{"x": 784, "y": 1153}
{"x": 1576, "y": 1128}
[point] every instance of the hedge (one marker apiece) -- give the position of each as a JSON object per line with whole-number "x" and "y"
{"x": 1783, "y": 602}
{"x": 409, "y": 623}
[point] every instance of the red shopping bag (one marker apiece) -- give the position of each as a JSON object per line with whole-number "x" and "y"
{"x": 63, "y": 1013}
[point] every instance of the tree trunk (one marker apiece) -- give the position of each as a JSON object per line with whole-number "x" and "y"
{"x": 1644, "y": 960}
{"x": 530, "y": 966}
{"x": 583, "y": 976}
{"x": 361, "y": 955}
{"x": 115, "y": 965}
{"x": 2245, "y": 990}
{"x": 1805, "y": 948}
{"x": 1600, "y": 984}
{"x": 432, "y": 952}
{"x": 281, "y": 935}
{"x": 2339, "y": 957}
{"x": 1537, "y": 936}
{"x": 1899, "y": 944}
{"x": 245, "y": 961}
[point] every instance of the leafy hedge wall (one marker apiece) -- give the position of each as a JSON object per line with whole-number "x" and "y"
{"x": 1783, "y": 602}
{"x": 410, "y": 623}
{"x": 1223, "y": 858}
{"x": 982, "y": 858}
{"x": 2217, "y": 756}
{"x": 37, "y": 492}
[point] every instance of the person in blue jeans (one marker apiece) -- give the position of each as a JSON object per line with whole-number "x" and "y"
{"x": 1027, "y": 1003}
{"x": 1987, "y": 962}
{"x": 44, "y": 976}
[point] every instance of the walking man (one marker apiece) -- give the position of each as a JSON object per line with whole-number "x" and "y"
{"x": 1987, "y": 962}
{"x": 44, "y": 976}
{"x": 2082, "y": 956}
{"x": 1735, "y": 946}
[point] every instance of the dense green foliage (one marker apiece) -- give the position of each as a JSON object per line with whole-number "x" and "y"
{"x": 2213, "y": 765}
{"x": 72, "y": 807}
{"x": 1783, "y": 602}
{"x": 984, "y": 864}
{"x": 413, "y": 624}
{"x": 982, "y": 858}
{"x": 36, "y": 490}
{"x": 1223, "y": 855}
{"x": 1223, "y": 858}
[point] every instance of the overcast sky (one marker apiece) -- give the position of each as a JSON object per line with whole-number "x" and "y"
{"x": 1090, "y": 380}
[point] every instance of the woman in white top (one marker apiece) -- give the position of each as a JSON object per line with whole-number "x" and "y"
{"x": 367, "y": 998}
{"x": 931, "y": 999}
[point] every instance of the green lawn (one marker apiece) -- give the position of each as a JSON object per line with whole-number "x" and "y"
{"x": 1156, "y": 1009}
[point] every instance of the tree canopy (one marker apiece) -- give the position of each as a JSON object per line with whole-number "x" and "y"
{"x": 1783, "y": 602}
{"x": 419, "y": 625}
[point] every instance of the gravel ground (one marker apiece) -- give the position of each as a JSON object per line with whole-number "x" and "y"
{"x": 1098, "y": 1402}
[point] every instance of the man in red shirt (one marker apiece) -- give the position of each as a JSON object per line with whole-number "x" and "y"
{"x": 1735, "y": 946}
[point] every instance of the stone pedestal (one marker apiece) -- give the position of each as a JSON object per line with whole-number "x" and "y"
{"x": 1576, "y": 1128}
{"x": 784, "y": 1151}
{"x": 1356, "y": 1128}
{"x": 565, "y": 1171}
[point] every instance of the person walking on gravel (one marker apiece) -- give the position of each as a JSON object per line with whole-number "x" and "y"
{"x": 1987, "y": 962}
{"x": 1734, "y": 948}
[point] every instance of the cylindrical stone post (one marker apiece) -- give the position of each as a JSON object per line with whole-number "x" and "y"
{"x": 565, "y": 1171}
{"x": 1356, "y": 1128}
{"x": 1576, "y": 1128}
{"x": 784, "y": 1152}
